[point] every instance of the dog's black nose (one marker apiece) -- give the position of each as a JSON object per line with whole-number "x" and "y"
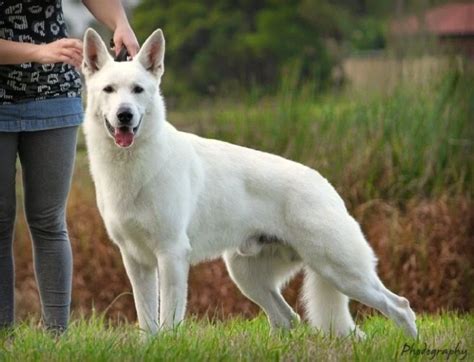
{"x": 124, "y": 115}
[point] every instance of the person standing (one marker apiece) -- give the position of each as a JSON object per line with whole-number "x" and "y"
{"x": 40, "y": 111}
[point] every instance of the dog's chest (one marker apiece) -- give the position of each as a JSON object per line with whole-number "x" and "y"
{"x": 133, "y": 237}
{"x": 131, "y": 225}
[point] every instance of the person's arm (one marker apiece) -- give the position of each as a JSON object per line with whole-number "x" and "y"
{"x": 60, "y": 51}
{"x": 112, "y": 14}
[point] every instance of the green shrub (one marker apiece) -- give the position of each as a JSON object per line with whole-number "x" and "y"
{"x": 217, "y": 45}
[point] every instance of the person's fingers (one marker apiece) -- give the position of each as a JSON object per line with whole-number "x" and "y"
{"x": 72, "y": 43}
{"x": 72, "y": 56}
{"x": 71, "y": 61}
{"x": 131, "y": 43}
{"x": 61, "y": 51}
{"x": 78, "y": 53}
{"x": 65, "y": 59}
{"x": 69, "y": 51}
{"x": 118, "y": 45}
{"x": 132, "y": 47}
{"x": 75, "y": 57}
{"x": 124, "y": 37}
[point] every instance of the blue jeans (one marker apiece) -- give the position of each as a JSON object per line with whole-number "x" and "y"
{"x": 40, "y": 115}
{"x": 47, "y": 162}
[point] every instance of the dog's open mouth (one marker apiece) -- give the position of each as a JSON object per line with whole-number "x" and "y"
{"x": 123, "y": 136}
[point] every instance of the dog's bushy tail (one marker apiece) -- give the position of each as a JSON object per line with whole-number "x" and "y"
{"x": 327, "y": 308}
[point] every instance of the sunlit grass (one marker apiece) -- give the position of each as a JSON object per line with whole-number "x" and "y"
{"x": 95, "y": 339}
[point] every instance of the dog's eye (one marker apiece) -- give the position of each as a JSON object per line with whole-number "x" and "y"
{"x": 137, "y": 89}
{"x": 108, "y": 89}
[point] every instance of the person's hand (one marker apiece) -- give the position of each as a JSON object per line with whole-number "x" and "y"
{"x": 124, "y": 36}
{"x": 66, "y": 50}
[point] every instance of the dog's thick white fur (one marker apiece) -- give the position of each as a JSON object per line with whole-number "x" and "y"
{"x": 170, "y": 199}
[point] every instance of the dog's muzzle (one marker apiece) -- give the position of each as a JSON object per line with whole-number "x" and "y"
{"x": 124, "y": 136}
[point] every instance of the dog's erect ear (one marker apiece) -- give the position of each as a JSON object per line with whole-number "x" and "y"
{"x": 95, "y": 52}
{"x": 152, "y": 54}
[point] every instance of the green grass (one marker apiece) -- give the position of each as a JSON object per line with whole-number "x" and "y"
{"x": 415, "y": 141}
{"x": 197, "y": 340}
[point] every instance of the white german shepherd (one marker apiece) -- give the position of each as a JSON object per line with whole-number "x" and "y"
{"x": 171, "y": 199}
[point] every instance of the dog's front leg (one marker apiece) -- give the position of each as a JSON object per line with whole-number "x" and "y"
{"x": 173, "y": 268}
{"x": 145, "y": 292}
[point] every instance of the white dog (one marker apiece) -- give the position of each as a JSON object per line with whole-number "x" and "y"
{"x": 170, "y": 199}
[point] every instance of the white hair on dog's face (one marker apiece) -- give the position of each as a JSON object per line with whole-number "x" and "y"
{"x": 122, "y": 91}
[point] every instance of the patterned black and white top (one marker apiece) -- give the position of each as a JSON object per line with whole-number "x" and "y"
{"x": 38, "y": 22}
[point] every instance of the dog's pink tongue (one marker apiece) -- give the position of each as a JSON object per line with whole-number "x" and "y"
{"x": 123, "y": 136}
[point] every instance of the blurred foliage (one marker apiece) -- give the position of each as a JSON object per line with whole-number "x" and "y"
{"x": 370, "y": 34}
{"x": 226, "y": 44}
{"x": 222, "y": 46}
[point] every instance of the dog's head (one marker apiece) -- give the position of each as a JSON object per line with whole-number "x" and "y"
{"x": 120, "y": 93}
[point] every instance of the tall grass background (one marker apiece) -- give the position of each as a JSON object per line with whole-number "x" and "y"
{"x": 416, "y": 141}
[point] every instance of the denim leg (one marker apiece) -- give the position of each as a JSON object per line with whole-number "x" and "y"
{"x": 8, "y": 151}
{"x": 47, "y": 159}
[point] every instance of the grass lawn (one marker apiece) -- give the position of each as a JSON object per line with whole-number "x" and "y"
{"x": 237, "y": 339}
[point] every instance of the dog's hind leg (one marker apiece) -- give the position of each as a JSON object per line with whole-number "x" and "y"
{"x": 327, "y": 308}
{"x": 342, "y": 256}
{"x": 260, "y": 278}
{"x": 145, "y": 292}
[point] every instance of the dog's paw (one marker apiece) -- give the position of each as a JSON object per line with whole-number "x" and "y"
{"x": 358, "y": 334}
